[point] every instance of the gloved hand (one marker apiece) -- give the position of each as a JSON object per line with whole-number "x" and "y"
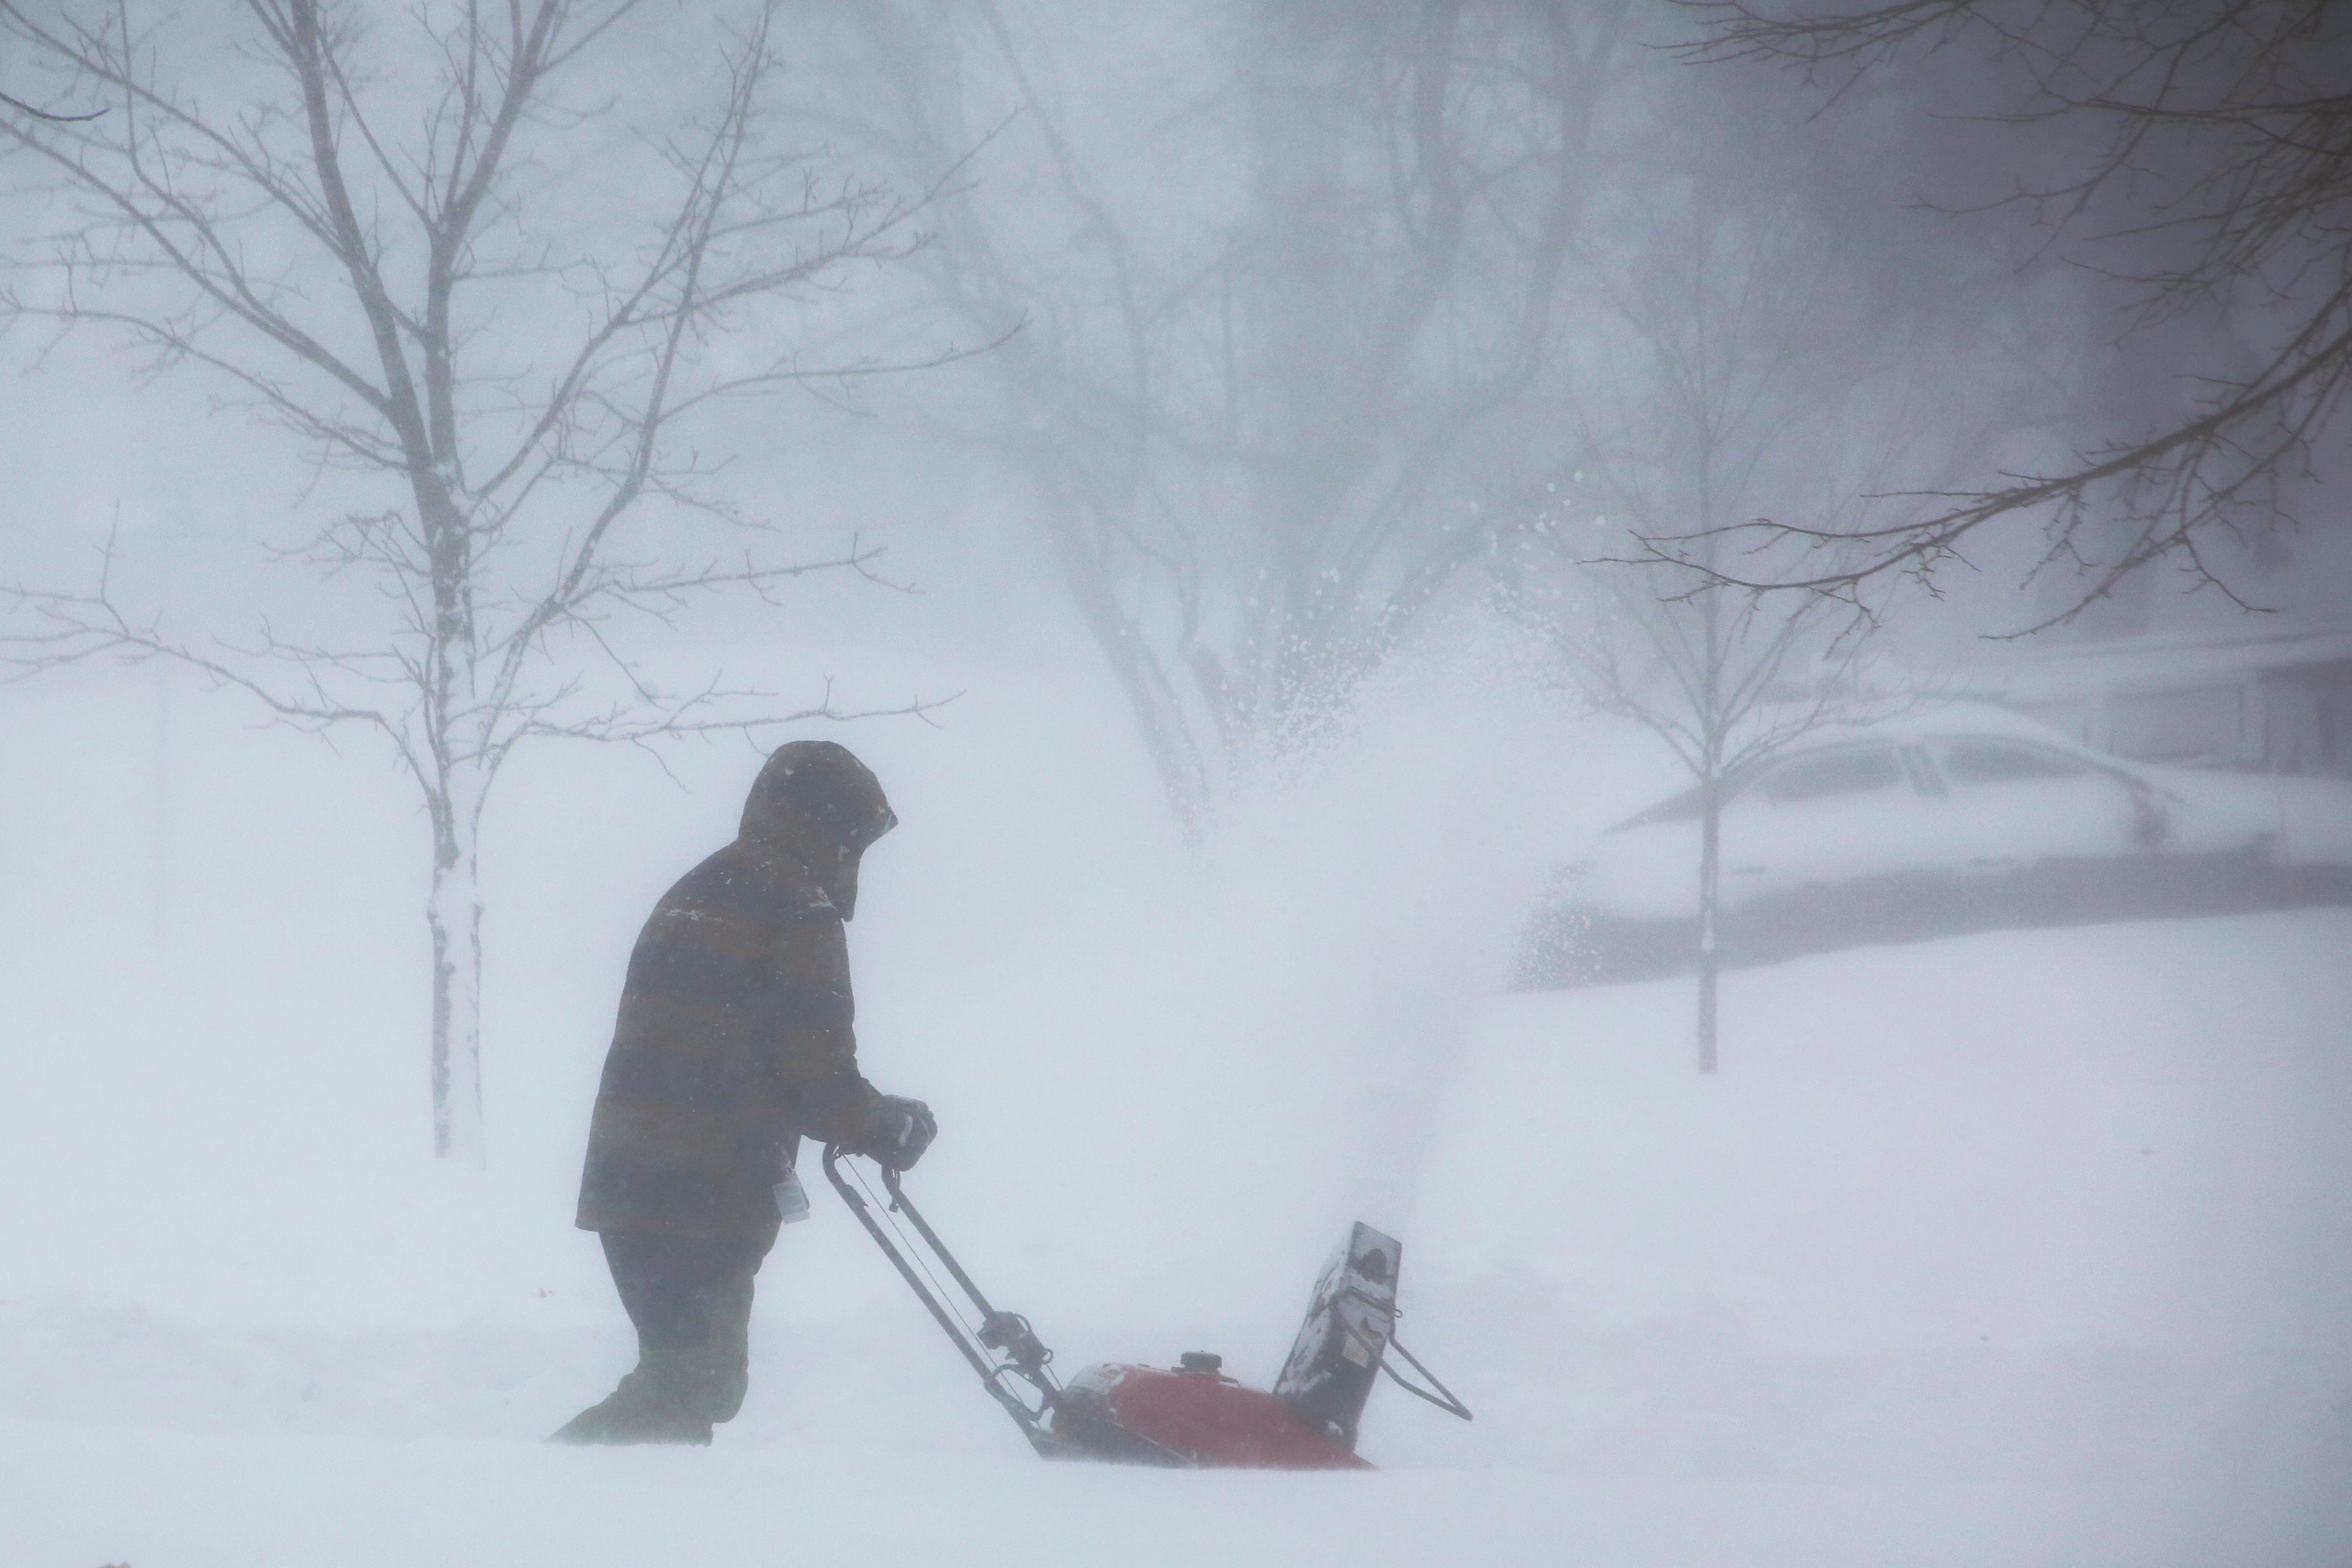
{"x": 902, "y": 1131}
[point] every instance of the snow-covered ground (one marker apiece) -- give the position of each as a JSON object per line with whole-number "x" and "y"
{"x": 239, "y": 1501}
{"x": 2020, "y": 1248}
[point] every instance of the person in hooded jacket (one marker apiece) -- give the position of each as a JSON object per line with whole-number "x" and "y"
{"x": 733, "y": 1042}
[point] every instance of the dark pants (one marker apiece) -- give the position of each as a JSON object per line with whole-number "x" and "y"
{"x": 691, "y": 1298}
{"x": 675, "y": 1287}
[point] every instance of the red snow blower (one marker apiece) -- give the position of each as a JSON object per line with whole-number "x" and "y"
{"x": 1192, "y": 1414}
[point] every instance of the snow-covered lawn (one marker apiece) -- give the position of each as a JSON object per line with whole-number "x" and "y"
{"x": 2023, "y": 1249}
{"x": 170, "y": 1501}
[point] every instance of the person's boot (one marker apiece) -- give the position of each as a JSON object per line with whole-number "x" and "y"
{"x": 655, "y": 1403}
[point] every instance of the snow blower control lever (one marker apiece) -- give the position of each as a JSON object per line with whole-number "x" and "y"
{"x": 1192, "y": 1414}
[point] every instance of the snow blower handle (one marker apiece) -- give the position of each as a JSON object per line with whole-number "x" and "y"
{"x": 1007, "y": 1333}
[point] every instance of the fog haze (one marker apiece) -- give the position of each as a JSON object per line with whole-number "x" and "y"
{"x": 1251, "y": 428}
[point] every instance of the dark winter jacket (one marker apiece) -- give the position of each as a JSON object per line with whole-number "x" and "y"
{"x": 734, "y": 1035}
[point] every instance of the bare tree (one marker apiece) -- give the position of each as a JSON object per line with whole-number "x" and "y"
{"x": 368, "y": 237}
{"x": 1707, "y": 384}
{"x": 1726, "y": 681}
{"x": 1256, "y": 362}
{"x": 2217, "y": 178}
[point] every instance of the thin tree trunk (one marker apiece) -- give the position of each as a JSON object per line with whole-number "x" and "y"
{"x": 453, "y": 911}
{"x": 1717, "y": 729}
{"x": 454, "y": 914}
{"x": 160, "y": 888}
{"x": 1710, "y": 866}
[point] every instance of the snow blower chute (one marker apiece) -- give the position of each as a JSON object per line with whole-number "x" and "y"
{"x": 1192, "y": 1414}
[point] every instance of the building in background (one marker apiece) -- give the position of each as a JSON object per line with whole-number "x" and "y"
{"x": 2272, "y": 700}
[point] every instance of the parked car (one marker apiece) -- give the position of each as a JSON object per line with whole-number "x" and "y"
{"x": 1965, "y": 817}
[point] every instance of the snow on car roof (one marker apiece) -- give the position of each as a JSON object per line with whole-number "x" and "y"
{"x": 1925, "y": 719}
{"x": 1934, "y": 718}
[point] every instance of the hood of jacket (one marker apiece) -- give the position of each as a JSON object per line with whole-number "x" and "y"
{"x": 817, "y": 803}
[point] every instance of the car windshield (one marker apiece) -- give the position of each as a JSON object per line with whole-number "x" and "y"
{"x": 2002, "y": 761}
{"x": 1854, "y": 772}
{"x": 1683, "y": 807}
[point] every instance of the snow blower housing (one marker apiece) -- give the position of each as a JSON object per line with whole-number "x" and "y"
{"x": 1192, "y": 1414}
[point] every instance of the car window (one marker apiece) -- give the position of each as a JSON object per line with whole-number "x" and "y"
{"x": 1854, "y": 772}
{"x": 2003, "y": 762}
{"x": 1684, "y": 807}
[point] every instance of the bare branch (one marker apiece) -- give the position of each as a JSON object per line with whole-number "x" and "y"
{"x": 21, "y": 107}
{"x": 2227, "y": 137}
